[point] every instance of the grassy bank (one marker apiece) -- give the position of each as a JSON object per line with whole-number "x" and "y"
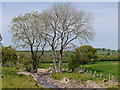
{"x": 75, "y": 76}
{"x": 105, "y": 68}
{"x": 10, "y": 79}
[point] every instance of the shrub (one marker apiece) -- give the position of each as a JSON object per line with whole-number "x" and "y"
{"x": 9, "y": 56}
{"x": 83, "y": 55}
{"x": 25, "y": 61}
{"x": 29, "y": 67}
{"x": 20, "y": 75}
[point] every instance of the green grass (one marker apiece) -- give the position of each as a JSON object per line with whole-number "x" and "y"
{"x": 105, "y": 68}
{"x": 44, "y": 65}
{"x": 12, "y": 80}
{"x": 74, "y": 76}
{"x": 47, "y": 65}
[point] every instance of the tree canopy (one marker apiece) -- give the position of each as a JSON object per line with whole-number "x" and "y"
{"x": 63, "y": 24}
{"x": 83, "y": 55}
{"x": 27, "y": 33}
{"x": 9, "y": 56}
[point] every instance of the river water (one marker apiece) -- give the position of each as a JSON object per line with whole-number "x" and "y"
{"x": 42, "y": 80}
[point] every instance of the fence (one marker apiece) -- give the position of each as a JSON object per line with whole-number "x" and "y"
{"x": 94, "y": 74}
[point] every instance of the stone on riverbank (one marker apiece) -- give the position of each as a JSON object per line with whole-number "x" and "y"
{"x": 65, "y": 80}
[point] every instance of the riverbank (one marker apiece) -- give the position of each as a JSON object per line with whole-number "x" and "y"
{"x": 11, "y": 79}
{"x": 69, "y": 83}
{"x": 48, "y": 81}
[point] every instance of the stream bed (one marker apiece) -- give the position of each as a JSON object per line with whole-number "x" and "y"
{"x": 43, "y": 81}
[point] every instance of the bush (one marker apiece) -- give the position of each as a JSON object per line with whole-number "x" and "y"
{"x": 76, "y": 61}
{"x": 9, "y": 56}
{"x": 29, "y": 67}
{"x": 83, "y": 55}
{"x": 25, "y": 61}
{"x": 20, "y": 75}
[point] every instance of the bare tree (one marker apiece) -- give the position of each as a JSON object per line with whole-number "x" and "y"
{"x": 49, "y": 25}
{"x": 64, "y": 24}
{"x": 28, "y": 34}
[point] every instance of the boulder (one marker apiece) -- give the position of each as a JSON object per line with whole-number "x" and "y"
{"x": 81, "y": 72}
{"x": 70, "y": 71}
{"x": 44, "y": 71}
{"x": 105, "y": 80}
{"x": 65, "y": 80}
{"x": 113, "y": 78}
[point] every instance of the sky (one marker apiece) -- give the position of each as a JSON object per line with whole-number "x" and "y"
{"x": 105, "y": 19}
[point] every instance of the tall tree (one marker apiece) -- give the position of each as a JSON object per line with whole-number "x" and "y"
{"x": 28, "y": 34}
{"x": 63, "y": 24}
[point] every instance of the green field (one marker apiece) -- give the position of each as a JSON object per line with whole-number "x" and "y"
{"x": 105, "y": 68}
{"x": 10, "y": 79}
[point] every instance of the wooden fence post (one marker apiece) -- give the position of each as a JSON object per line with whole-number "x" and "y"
{"x": 94, "y": 74}
{"x": 100, "y": 75}
{"x": 109, "y": 76}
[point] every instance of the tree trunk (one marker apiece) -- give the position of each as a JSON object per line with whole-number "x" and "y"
{"x": 54, "y": 61}
{"x": 33, "y": 60}
{"x": 60, "y": 61}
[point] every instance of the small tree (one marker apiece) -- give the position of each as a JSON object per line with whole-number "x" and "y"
{"x": 83, "y": 55}
{"x": 9, "y": 56}
{"x": 27, "y": 33}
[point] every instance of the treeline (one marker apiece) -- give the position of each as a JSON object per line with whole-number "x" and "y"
{"x": 12, "y": 57}
{"x": 102, "y": 55}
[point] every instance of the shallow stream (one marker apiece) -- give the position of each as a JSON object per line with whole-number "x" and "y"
{"x": 43, "y": 82}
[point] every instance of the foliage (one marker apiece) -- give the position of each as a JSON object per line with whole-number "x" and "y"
{"x": 9, "y": 56}
{"x": 29, "y": 67}
{"x": 74, "y": 62}
{"x": 21, "y": 56}
{"x": 108, "y": 57}
{"x": 26, "y": 61}
{"x": 83, "y": 55}
{"x": 47, "y": 57}
{"x": 87, "y": 51}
